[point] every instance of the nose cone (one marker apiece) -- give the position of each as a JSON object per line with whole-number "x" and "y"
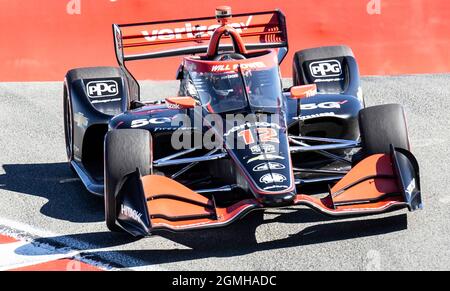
{"x": 277, "y": 200}
{"x": 264, "y": 160}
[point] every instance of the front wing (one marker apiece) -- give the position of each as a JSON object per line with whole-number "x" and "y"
{"x": 379, "y": 183}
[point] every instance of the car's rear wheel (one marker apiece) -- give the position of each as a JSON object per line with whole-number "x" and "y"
{"x": 68, "y": 124}
{"x": 125, "y": 151}
{"x": 381, "y": 126}
{"x": 312, "y": 54}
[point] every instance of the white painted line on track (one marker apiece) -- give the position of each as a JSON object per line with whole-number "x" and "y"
{"x": 23, "y": 254}
{"x": 73, "y": 248}
{"x": 22, "y": 227}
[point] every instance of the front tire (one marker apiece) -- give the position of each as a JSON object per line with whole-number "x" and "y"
{"x": 68, "y": 125}
{"x": 381, "y": 126}
{"x": 125, "y": 151}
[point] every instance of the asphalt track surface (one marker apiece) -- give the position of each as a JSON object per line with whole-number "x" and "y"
{"x": 40, "y": 197}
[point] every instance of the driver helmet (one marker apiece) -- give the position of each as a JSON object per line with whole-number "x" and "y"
{"x": 223, "y": 87}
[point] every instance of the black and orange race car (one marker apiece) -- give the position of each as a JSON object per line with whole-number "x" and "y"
{"x": 233, "y": 140}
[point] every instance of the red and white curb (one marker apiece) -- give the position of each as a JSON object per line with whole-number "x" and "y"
{"x": 26, "y": 255}
{"x": 23, "y": 246}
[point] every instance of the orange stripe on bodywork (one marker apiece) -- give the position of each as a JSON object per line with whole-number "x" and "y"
{"x": 380, "y": 166}
{"x": 6, "y": 239}
{"x": 359, "y": 194}
{"x": 370, "y": 208}
{"x": 159, "y": 185}
{"x": 181, "y": 102}
{"x": 376, "y": 164}
{"x": 59, "y": 265}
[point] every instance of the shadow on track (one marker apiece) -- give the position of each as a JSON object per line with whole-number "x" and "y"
{"x": 71, "y": 202}
{"x": 235, "y": 240}
{"x": 67, "y": 199}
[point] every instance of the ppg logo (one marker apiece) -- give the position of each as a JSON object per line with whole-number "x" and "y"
{"x": 328, "y": 68}
{"x": 107, "y": 88}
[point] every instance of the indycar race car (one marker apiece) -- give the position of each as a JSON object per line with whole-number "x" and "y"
{"x": 233, "y": 140}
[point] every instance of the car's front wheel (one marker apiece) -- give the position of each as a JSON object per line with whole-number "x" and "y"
{"x": 383, "y": 125}
{"x": 125, "y": 151}
{"x": 68, "y": 124}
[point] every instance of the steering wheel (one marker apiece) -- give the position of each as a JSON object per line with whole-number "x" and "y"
{"x": 229, "y": 57}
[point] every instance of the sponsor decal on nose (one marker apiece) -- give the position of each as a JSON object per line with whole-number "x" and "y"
{"x": 272, "y": 178}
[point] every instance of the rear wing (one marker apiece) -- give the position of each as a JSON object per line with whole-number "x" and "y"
{"x": 137, "y": 41}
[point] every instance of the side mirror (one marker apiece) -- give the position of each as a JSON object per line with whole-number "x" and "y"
{"x": 303, "y": 91}
{"x": 184, "y": 102}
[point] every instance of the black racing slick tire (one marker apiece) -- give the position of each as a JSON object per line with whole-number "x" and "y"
{"x": 383, "y": 125}
{"x": 68, "y": 124}
{"x": 316, "y": 54}
{"x": 106, "y": 73}
{"x": 125, "y": 151}
{"x": 72, "y": 97}
{"x": 93, "y": 73}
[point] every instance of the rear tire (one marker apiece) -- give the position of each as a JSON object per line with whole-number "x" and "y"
{"x": 381, "y": 126}
{"x": 125, "y": 150}
{"x": 105, "y": 73}
{"x": 70, "y": 87}
{"x": 316, "y": 54}
{"x": 93, "y": 73}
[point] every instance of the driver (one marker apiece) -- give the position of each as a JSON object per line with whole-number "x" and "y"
{"x": 227, "y": 91}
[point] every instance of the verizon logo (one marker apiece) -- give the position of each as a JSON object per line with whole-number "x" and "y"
{"x": 190, "y": 31}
